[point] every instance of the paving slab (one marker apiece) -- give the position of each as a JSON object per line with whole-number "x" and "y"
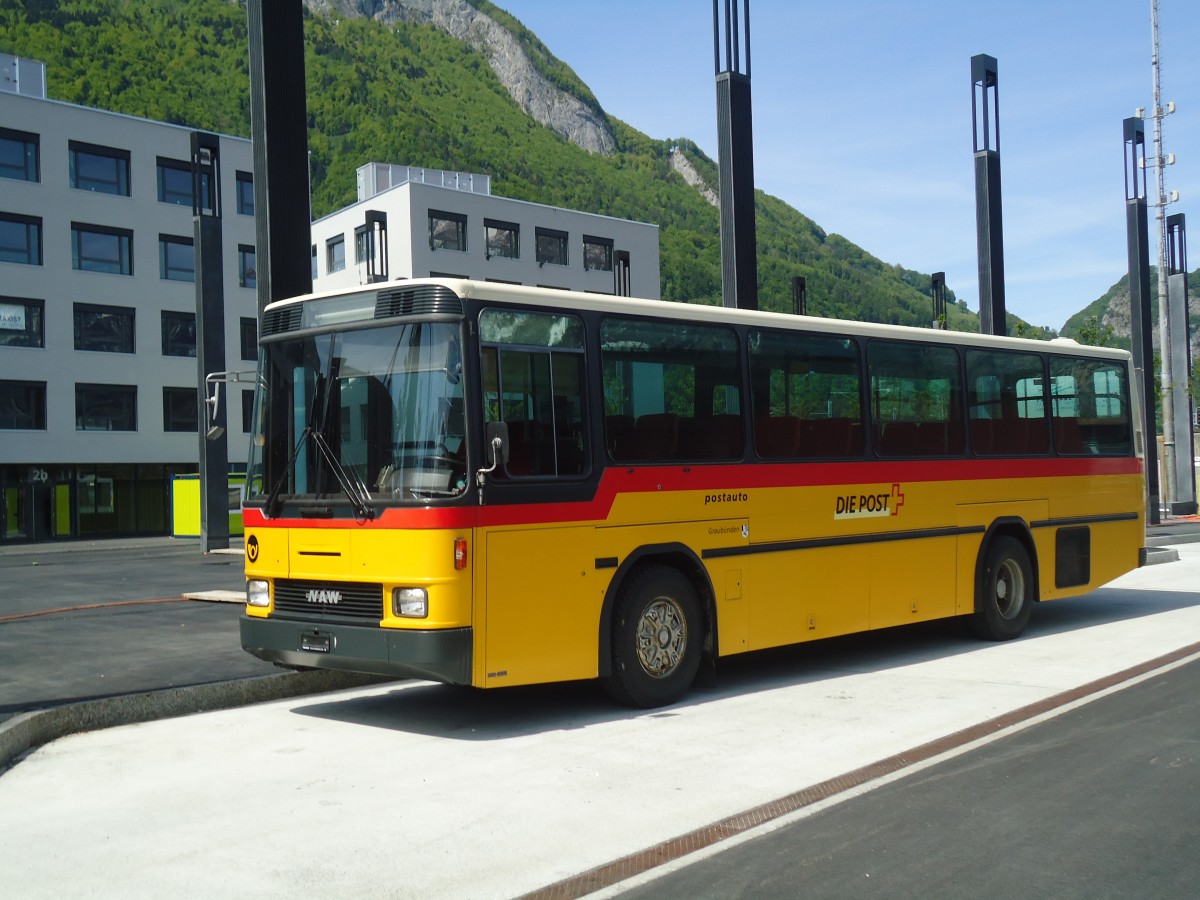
{"x": 420, "y": 790}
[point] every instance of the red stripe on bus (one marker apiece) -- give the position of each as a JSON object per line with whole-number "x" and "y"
{"x": 675, "y": 478}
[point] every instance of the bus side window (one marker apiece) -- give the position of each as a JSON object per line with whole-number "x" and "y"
{"x": 807, "y": 396}
{"x": 533, "y": 381}
{"x": 1090, "y": 407}
{"x": 916, "y": 404}
{"x": 671, "y": 391}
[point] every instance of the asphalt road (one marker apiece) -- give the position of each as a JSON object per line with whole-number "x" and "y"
{"x": 82, "y": 621}
{"x": 1098, "y": 802}
{"x": 418, "y": 790}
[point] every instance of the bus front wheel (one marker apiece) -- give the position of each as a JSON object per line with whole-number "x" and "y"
{"x": 656, "y": 638}
{"x": 1004, "y": 593}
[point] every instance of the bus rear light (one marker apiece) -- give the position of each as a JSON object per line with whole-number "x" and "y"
{"x": 258, "y": 593}
{"x": 411, "y": 603}
{"x": 460, "y": 553}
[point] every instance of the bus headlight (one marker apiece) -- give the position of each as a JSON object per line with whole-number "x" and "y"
{"x": 412, "y": 603}
{"x": 258, "y": 593}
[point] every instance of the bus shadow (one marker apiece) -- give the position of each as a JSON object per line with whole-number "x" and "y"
{"x": 467, "y": 714}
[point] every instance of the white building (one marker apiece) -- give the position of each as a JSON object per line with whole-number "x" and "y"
{"x": 431, "y": 222}
{"x": 98, "y": 371}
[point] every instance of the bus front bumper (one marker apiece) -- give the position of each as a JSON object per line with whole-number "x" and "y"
{"x": 434, "y": 655}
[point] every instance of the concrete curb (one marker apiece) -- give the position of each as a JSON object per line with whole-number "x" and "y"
{"x": 1156, "y": 555}
{"x": 31, "y": 730}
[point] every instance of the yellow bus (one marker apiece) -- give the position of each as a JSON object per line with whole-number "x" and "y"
{"x": 489, "y": 485}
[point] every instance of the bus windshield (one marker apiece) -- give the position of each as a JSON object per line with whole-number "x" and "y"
{"x": 371, "y": 415}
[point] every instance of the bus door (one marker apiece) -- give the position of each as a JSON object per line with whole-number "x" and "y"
{"x": 538, "y": 594}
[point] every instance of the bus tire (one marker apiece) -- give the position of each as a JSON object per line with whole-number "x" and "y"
{"x": 656, "y": 638}
{"x": 1004, "y": 592}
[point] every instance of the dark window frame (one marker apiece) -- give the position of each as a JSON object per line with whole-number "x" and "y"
{"x": 123, "y": 262}
{"x": 449, "y": 222}
{"x": 247, "y": 266}
{"x": 176, "y": 322}
{"x": 10, "y": 404}
{"x": 248, "y": 335}
{"x": 495, "y": 247}
{"x": 90, "y": 401}
{"x": 30, "y": 166}
{"x": 87, "y": 319}
{"x": 542, "y": 238}
{"x": 244, "y": 182}
{"x": 118, "y": 186}
{"x": 331, "y": 255}
{"x": 181, "y": 410}
{"x": 32, "y": 251}
{"x": 34, "y": 331}
{"x": 606, "y": 245}
{"x": 168, "y": 269}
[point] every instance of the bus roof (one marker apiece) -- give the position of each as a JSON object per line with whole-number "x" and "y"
{"x": 468, "y": 289}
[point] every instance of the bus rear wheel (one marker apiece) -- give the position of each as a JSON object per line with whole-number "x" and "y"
{"x": 1004, "y": 593}
{"x": 656, "y": 638}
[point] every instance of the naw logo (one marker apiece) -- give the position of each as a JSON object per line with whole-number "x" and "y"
{"x": 869, "y": 504}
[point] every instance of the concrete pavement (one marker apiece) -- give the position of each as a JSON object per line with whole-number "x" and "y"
{"x": 418, "y": 790}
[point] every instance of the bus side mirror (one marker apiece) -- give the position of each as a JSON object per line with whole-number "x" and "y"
{"x": 497, "y": 438}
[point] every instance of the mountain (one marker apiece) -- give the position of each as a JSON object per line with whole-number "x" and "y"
{"x": 1109, "y": 314}
{"x": 456, "y": 85}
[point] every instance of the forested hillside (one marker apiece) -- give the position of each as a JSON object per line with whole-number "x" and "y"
{"x": 409, "y": 93}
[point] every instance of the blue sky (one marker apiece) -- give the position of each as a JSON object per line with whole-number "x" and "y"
{"x": 862, "y": 120}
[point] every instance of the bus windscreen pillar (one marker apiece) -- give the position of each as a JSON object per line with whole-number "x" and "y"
{"x": 735, "y": 149}
{"x": 210, "y": 339}
{"x": 1138, "y": 244}
{"x": 989, "y": 220}
{"x": 1181, "y": 495}
{"x": 279, "y": 128}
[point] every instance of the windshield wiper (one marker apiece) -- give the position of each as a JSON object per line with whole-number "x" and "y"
{"x": 360, "y": 497}
{"x": 273, "y": 498}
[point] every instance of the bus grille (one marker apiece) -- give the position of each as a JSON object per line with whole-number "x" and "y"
{"x": 426, "y": 300}
{"x": 330, "y": 599}
{"x": 278, "y": 321}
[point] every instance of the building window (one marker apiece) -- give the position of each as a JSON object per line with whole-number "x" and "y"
{"x": 19, "y": 155}
{"x": 447, "y": 231}
{"x": 105, "y": 407}
{"x": 180, "y": 410}
{"x": 247, "y": 411}
{"x": 174, "y": 182}
{"x": 107, "y": 329}
{"x": 20, "y": 239}
{"x": 23, "y": 405}
{"x": 178, "y": 333}
{"x": 364, "y": 244}
{"x": 314, "y": 262}
{"x": 245, "y": 194}
{"x": 247, "y": 272}
{"x": 551, "y": 246}
{"x": 335, "y": 254}
{"x": 597, "y": 253}
{"x": 249, "y": 333}
{"x": 176, "y": 258}
{"x": 104, "y": 170}
{"x": 22, "y": 322}
{"x": 503, "y": 239}
{"x": 95, "y": 248}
